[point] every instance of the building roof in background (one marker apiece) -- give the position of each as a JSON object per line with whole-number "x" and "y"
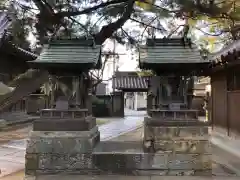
{"x": 130, "y": 81}
{"x": 5, "y": 23}
{"x": 234, "y": 46}
{"x": 4, "y": 89}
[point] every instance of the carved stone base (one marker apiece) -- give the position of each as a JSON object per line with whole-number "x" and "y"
{"x": 60, "y": 150}
{"x": 180, "y": 139}
{"x": 179, "y": 114}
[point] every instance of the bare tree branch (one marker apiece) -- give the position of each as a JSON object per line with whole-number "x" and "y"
{"x": 109, "y": 29}
{"x": 148, "y": 25}
{"x": 175, "y": 30}
{"x": 140, "y": 22}
{"x": 89, "y": 10}
{"x": 209, "y": 34}
{"x": 85, "y": 29}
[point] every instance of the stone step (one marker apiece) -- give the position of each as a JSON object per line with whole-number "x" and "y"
{"x": 117, "y": 162}
{"x": 118, "y": 158}
{"x": 151, "y": 161}
{"x": 124, "y": 172}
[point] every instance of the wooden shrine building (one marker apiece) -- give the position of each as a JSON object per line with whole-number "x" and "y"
{"x": 13, "y": 59}
{"x": 225, "y": 89}
{"x": 171, "y": 118}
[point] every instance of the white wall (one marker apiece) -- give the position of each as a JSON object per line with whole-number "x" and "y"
{"x": 141, "y": 101}
{"x": 136, "y": 101}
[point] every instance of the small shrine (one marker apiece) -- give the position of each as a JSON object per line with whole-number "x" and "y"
{"x": 66, "y": 139}
{"x": 65, "y": 135}
{"x": 172, "y": 127}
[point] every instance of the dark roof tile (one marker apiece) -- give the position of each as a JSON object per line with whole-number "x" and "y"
{"x": 169, "y": 51}
{"x": 70, "y": 51}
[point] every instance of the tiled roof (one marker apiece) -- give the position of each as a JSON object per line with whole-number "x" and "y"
{"x": 169, "y": 51}
{"x": 75, "y": 51}
{"x": 5, "y": 23}
{"x": 13, "y": 49}
{"x": 130, "y": 82}
{"x": 235, "y": 45}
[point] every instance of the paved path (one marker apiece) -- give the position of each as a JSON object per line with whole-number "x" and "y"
{"x": 131, "y": 121}
{"x": 12, "y": 153}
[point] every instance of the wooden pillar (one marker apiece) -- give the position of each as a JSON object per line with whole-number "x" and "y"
{"x": 77, "y": 86}
{"x": 52, "y": 93}
{"x": 88, "y": 95}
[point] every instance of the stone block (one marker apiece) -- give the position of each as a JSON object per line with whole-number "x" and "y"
{"x": 62, "y": 125}
{"x": 63, "y": 113}
{"x": 66, "y": 134}
{"x": 128, "y": 161}
{"x": 31, "y": 161}
{"x": 175, "y": 114}
{"x": 189, "y": 161}
{"x": 62, "y": 144}
{"x": 183, "y": 146}
{"x": 174, "y": 132}
{"x": 151, "y": 161}
{"x": 30, "y": 172}
{"x": 64, "y": 161}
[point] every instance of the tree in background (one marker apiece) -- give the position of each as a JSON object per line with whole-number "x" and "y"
{"x": 109, "y": 18}
{"x": 20, "y": 24}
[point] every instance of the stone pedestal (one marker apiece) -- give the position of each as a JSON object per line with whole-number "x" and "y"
{"x": 61, "y": 141}
{"x": 181, "y": 137}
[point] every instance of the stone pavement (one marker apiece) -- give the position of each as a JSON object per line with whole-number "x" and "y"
{"x": 118, "y": 177}
{"x": 229, "y": 145}
{"x": 12, "y": 154}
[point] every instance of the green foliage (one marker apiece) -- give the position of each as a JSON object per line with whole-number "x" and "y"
{"x": 145, "y": 73}
{"x": 107, "y": 19}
